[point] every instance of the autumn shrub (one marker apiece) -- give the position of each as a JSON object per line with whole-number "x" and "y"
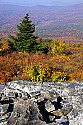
{"x": 56, "y": 66}
{"x": 2, "y": 78}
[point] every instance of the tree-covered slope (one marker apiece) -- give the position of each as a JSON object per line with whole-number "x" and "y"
{"x": 49, "y": 21}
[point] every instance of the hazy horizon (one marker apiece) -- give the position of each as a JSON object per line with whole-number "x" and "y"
{"x": 41, "y": 2}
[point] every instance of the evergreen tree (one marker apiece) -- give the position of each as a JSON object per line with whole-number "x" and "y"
{"x": 25, "y": 40}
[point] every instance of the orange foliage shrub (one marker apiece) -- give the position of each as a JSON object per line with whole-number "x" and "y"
{"x": 63, "y": 64}
{"x": 2, "y": 78}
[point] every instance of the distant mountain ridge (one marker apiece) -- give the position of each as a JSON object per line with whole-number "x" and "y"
{"x": 41, "y": 2}
{"x": 65, "y": 2}
{"x": 50, "y": 21}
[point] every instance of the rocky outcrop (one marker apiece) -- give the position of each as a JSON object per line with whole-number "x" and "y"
{"x": 30, "y": 103}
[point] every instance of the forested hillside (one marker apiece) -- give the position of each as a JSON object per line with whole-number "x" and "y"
{"x": 56, "y": 22}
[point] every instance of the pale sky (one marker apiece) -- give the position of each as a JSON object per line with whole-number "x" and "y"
{"x": 40, "y": 2}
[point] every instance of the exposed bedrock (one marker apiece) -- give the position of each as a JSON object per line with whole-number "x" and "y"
{"x": 30, "y": 103}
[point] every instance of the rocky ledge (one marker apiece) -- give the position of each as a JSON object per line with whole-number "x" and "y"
{"x": 30, "y": 103}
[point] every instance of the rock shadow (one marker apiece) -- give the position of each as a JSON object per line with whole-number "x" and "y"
{"x": 57, "y": 104}
{"x": 10, "y": 107}
{"x": 45, "y": 114}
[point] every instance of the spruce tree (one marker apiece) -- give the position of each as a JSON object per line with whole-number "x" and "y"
{"x": 25, "y": 39}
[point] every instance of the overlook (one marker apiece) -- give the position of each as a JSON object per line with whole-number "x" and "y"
{"x": 41, "y": 64}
